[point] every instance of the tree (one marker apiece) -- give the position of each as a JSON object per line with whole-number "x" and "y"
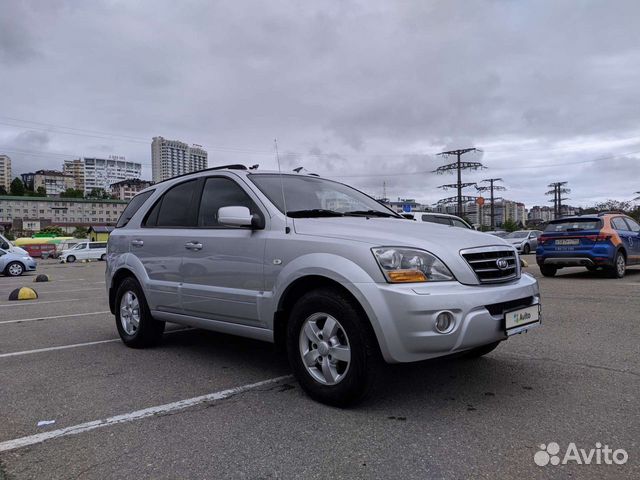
{"x": 53, "y": 230}
{"x": 3, "y": 190}
{"x": 99, "y": 193}
{"x": 510, "y": 225}
{"x": 41, "y": 192}
{"x": 610, "y": 205}
{"x": 17, "y": 187}
{"x": 80, "y": 232}
{"x": 72, "y": 193}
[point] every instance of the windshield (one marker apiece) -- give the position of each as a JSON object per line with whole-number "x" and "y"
{"x": 574, "y": 225}
{"x": 78, "y": 246}
{"x": 317, "y": 197}
{"x": 517, "y": 235}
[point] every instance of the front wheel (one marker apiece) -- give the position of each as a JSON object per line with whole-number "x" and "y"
{"x": 619, "y": 267}
{"x": 526, "y": 249}
{"x": 135, "y": 325}
{"x": 103, "y": 257}
{"x": 332, "y": 349}
{"x": 548, "y": 270}
{"x": 71, "y": 259}
{"x": 14, "y": 269}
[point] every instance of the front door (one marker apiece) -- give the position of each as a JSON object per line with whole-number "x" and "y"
{"x": 222, "y": 267}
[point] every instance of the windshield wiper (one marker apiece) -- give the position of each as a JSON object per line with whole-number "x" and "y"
{"x": 371, "y": 213}
{"x": 313, "y": 212}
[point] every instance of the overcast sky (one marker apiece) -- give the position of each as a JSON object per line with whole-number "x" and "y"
{"x": 365, "y": 92}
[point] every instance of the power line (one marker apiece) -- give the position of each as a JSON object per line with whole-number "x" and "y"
{"x": 458, "y": 166}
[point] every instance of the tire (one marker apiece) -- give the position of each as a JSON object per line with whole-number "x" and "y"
{"x": 548, "y": 270}
{"x": 338, "y": 382}
{"x": 131, "y": 299}
{"x": 14, "y": 269}
{"x": 103, "y": 257}
{"x": 526, "y": 249}
{"x": 619, "y": 267}
{"x": 480, "y": 351}
{"x": 71, "y": 259}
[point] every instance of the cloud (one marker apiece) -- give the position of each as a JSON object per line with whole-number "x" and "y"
{"x": 349, "y": 88}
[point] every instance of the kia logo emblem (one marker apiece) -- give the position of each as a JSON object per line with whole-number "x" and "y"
{"x": 502, "y": 263}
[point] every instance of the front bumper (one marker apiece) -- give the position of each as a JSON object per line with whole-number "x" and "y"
{"x": 403, "y": 316}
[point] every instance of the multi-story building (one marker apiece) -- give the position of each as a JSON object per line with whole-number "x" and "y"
{"x": 538, "y": 214}
{"x": 90, "y": 173}
{"x": 5, "y": 172}
{"x": 52, "y": 181}
{"x": 24, "y": 214}
{"x": 503, "y": 210}
{"x": 127, "y": 189}
{"x": 170, "y": 158}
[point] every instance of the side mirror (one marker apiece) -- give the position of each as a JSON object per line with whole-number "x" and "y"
{"x": 5, "y": 246}
{"x": 239, "y": 217}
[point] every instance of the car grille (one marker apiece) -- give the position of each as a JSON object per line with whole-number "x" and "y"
{"x": 485, "y": 264}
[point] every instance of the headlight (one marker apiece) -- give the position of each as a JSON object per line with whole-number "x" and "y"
{"x": 404, "y": 265}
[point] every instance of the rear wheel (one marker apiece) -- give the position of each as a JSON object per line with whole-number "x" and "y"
{"x": 71, "y": 259}
{"x": 619, "y": 267}
{"x": 135, "y": 325}
{"x": 548, "y": 270}
{"x": 14, "y": 269}
{"x": 332, "y": 350}
{"x": 103, "y": 257}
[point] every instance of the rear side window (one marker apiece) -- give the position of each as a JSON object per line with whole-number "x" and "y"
{"x": 222, "y": 192}
{"x": 98, "y": 245}
{"x": 574, "y": 225}
{"x": 174, "y": 207}
{"x": 618, "y": 223}
{"x": 131, "y": 209}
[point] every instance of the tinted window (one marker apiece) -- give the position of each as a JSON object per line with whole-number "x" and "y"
{"x": 459, "y": 223}
{"x": 221, "y": 192}
{"x": 98, "y": 245}
{"x": 574, "y": 225}
{"x": 174, "y": 208}
{"x": 633, "y": 225}
{"x": 131, "y": 209}
{"x": 619, "y": 224}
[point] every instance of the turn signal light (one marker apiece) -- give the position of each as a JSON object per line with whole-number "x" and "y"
{"x": 406, "y": 276}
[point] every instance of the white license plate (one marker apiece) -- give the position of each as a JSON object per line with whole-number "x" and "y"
{"x": 515, "y": 320}
{"x": 568, "y": 241}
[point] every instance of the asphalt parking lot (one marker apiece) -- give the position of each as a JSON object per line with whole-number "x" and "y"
{"x": 575, "y": 379}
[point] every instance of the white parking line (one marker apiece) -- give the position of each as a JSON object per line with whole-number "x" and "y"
{"x": 75, "y": 345}
{"x": 51, "y": 318}
{"x": 28, "y": 303}
{"x": 136, "y": 415}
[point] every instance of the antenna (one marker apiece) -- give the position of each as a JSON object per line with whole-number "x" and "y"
{"x": 284, "y": 200}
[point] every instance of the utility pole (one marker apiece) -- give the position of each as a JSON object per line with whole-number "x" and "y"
{"x": 558, "y": 189}
{"x": 458, "y": 166}
{"x": 491, "y": 187}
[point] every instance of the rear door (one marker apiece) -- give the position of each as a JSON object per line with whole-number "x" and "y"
{"x": 159, "y": 244}
{"x": 223, "y": 268}
{"x": 626, "y": 235}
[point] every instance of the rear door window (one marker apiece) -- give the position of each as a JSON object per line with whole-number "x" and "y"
{"x": 131, "y": 209}
{"x": 98, "y": 245}
{"x": 174, "y": 209}
{"x": 619, "y": 224}
{"x": 633, "y": 225}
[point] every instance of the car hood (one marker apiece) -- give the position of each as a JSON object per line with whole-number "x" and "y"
{"x": 442, "y": 240}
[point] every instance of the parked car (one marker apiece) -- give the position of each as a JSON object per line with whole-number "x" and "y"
{"x": 40, "y": 250}
{"x": 441, "y": 218}
{"x": 9, "y": 246}
{"x": 65, "y": 245}
{"x": 608, "y": 242}
{"x": 14, "y": 264}
{"x": 524, "y": 241}
{"x": 85, "y": 251}
{"x": 498, "y": 233}
{"x": 316, "y": 266}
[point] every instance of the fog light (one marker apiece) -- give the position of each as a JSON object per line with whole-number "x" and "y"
{"x": 444, "y": 322}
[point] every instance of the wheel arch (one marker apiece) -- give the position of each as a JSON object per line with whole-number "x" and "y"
{"x": 117, "y": 278}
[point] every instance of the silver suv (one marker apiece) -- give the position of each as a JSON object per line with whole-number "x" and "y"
{"x": 318, "y": 267}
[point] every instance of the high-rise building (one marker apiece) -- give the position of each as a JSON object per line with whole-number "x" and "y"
{"x": 170, "y": 158}
{"x": 90, "y": 173}
{"x": 5, "y": 172}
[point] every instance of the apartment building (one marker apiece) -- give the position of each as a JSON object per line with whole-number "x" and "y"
{"x": 54, "y": 182}
{"x": 170, "y": 158}
{"x": 127, "y": 189}
{"x": 68, "y": 213}
{"x": 90, "y": 173}
{"x": 5, "y": 172}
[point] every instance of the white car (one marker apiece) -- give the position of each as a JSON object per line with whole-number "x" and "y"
{"x": 85, "y": 251}
{"x": 441, "y": 218}
{"x": 7, "y": 246}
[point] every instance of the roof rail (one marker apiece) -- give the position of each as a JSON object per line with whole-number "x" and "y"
{"x": 233, "y": 166}
{"x": 610, "y": 212}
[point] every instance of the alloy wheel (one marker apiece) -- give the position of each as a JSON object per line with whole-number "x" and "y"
{"x": 325, "y": 349}
{"x": 130, "y": 313}
{"x": 15, "y": 269}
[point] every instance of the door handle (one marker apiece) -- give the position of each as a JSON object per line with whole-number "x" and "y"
{"x": 193, "y": 246}
{"x": 137, "y": 243}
